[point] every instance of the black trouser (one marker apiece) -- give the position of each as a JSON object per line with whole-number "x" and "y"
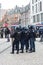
{"x": 1, "y": 35}
{"x": 32, "y": 44}
{"x": 22, "y": 44}
{"x": 27, "y": 44}
{"x": 13, "y": 45}
{"x": 15, "y": 42}
{"x": 17, "y": 45}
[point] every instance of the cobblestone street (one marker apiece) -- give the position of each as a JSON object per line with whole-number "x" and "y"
{"x": 21, "y": 59}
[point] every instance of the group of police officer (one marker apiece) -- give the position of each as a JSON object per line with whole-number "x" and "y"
{"x": 23, "y": 37}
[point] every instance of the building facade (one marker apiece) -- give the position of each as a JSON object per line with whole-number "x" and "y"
{"x": 25, "y": 16}
{"x": 2, "y": 13}
{"x": 36, "y": 11}
{"x": 18, "y": 15}
{"x": 0, "y": 10}
{"x": 12, "y": 17}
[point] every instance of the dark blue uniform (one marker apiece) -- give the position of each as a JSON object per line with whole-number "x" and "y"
{"x": 27, "y": 40}
{"x": 15, "y": 35}
{"x": 32, "y": 39}
{"x": 22, "y": 41}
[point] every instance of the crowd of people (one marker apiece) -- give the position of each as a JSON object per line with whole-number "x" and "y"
{"x": 4, "y": 32}
{"x": 23, "y": 38}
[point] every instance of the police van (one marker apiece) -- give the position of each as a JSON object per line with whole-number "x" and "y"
{"x": 14, "y": 26}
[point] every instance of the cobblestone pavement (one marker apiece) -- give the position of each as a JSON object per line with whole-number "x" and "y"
{"x": 35, "y": 58}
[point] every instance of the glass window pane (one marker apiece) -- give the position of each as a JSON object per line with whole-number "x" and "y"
{"x": 41, "y": 17}
{"x": 33, "y": 18}
{"x": 40, "y": 6}
{"x": 32, "y": 1}
{"x": 38, "y": 18}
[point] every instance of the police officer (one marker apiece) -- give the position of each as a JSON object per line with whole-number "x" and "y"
{"x": 15, "y": 41}
{"x": 17, "y": 38}
{"x": 27, "y": 40}
{"x": 12, "y": 35}
{"x": 22, "y": 41}
{"x": 32, "y": 40}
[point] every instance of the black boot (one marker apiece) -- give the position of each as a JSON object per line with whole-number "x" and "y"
{"x": 12, "y": 52}
{"x": 22, "y": 51}
{"x": 17, "y": 52}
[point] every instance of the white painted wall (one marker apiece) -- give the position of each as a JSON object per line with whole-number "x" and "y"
{"x": 38, "y": 12}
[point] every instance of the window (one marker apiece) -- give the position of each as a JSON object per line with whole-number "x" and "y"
{"x": 40, "y": 6}
{"x": 38, "y": 18}
{"x": 41, "y": 17}
{"x": 33, "y": 18}
{"x": 32, "y": 1}
{"x": 36, "y": 0}
{"x": 36, "y": 8}
{"x": 32, "y": 9}
{"x": 0, "y": 5}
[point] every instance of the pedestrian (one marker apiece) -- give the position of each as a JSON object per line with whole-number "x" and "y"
{"x": 7, "y": 33}
{"x": 1, "y": 32}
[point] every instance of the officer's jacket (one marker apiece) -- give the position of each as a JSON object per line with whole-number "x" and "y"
{"x": 32, "y": 34}
{"x": 22, "y": 35}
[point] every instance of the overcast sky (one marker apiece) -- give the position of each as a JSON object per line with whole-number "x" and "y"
{"x": 8, "y": 4}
